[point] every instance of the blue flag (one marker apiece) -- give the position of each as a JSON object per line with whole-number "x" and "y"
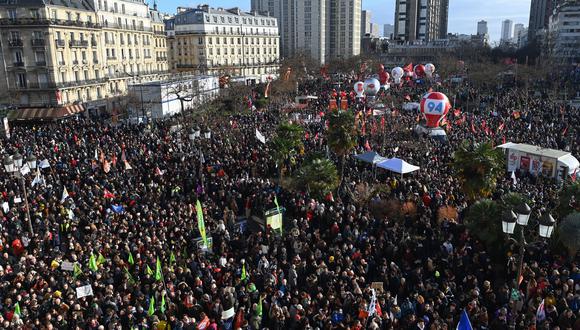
{"x": 464, "y": 323}
{"x": 118, "y": 208}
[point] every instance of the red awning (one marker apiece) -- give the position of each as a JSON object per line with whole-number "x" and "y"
{"x": 45, "y": 113}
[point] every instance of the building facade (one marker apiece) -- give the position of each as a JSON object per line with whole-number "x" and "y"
{"x": 518, "y": 28}
{"x": 482, "y": 27}
{"x": 564, "y": 34}
{"x": 320, "y": 29}
{"x": 388, "y": 30}
{"x": 506, "y": 30}
{"x": 540, "y": 11}
{"x": 206, "y": 40}
{"x": 365, "y": 22}
{"x": 78, "y": 52}
{"x": 423, "y": 20}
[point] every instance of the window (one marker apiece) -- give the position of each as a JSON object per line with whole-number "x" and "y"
{"x": 34, "y": 13}
{"x": 97, "y": 74}
{"x": 77, "y": 76}
{"x": 21, "y": 79}
{"x": 12, "y": 13}
{"x": 86, "y": 74}
{"x": 68, "y": 16}
{"x": 63, "y": 77}
{"x": 14, "y": 35}
{"x": 53, "y": 14}
{"x": 122, "y": 8}
{"x": 18, "y": 57}
{"x": 40, "y": 57}
{"x": 200, "y": 41}
{"x": 42, "y": 80}
{"x": 78, "y": 17}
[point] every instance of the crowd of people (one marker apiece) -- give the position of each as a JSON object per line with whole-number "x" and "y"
{"x": 116, "y": 211}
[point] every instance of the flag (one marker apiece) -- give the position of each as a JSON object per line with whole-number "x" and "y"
{"x": 172, "y": 258}
{"x": 17, "y": 309}
{"x": 64, "y": 195}
{"x": 151, "y": 310}
{"x": 127, "y": 166}
{"x": 123, "y": 155}
{"x": 367, "y": 146}
{"x": 513, "y": 177}
{"x": 501, "y": 126}
{"x": 158, "y": 274}
{"x": 162, "y": 308}
{"x": 259, "y": 307}
{"x": 244, "y": 274}
{"x": 25, "y": 169}
{"x": 129, "y": 276}
{"x": 260, "y": 136}
{"x": 517, "y": 114}
{"x": 267, "y": 91}
{"x": 118, "y": 208}
{"x": 106, "y": 166}
{"x": 541, "y": 312}
{"x": 158, "y": 171}
{"x": 408, "y": 67}
{"x": 201, "y": 223}
{"x": 96, "y": 154}
{"x": 149, "y": 271}
{"x": 108, "y": 194}
{"x": 76, "y": 270}
{"x": 44, "y": 164}
{"x": 93, "y": 263}
{"x": 573, "y": 176}
{"x": 100, "y": 260}
{"x": 130, "y": 260}
{"x": 464, "y": 323}
{"x": 565, "y": 130}
{"x": 37, "y": 178}
{"x": 372, "y": 305}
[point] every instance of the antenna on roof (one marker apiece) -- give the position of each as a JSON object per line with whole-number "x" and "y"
{"x": 154, "y": 4}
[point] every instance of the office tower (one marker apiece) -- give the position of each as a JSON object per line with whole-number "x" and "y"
{"x": 388, "y": 30}
{"x": 482, "y": 27}
{"x": 518, "y": 28}
{"x": 365, "y": 22}
{"x": 423, "y": 20}
{"x": 345, "y": 25}
{"x": 506, "y": 30}
{"x": 540, "y": 11}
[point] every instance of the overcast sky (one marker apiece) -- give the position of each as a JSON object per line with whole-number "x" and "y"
{"x": 463, "y": 14}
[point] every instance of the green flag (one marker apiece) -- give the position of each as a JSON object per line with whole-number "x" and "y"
{"x": 100, "y": 260}
{"x": 151, "y": 310}
{"x": 158, "y": 274}
{"x": 162, "y": 308}
{"x": 259, "y": 307}
{"x": 76, "y": 270}
{"x": 172, "y": 258}
{"x": 201, "y": 223}
{"x": 149, "y": 271}
{"x": 278, "y": 209}
{"x": 93, "y": 263}
{"x": 131, "y": 279}
{"x": 17, "y": 309}
{"x": 131, "y": 261}
{"x": 244, "y": 275}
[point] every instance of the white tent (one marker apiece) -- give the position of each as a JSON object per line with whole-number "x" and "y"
{"x": 398, "y": 166}
{"x": 370, "y": 157}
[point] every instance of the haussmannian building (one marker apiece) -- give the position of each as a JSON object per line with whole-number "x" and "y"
{"x": 221, "y": 41}
{"x": 81, "y": 53}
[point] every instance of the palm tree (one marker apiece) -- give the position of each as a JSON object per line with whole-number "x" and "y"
{"x": 287, "y": 141}
{"x": 569, "y": 233}
{"x": 341, "y": 135}
{"x": 319, "y": 175}
{"x": 478, "y": 168}
{"x": 483, "y": 219}
{"x": 569, "y": 200}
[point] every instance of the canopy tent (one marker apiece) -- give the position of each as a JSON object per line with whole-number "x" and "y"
{"x": 538, "y": 160}
{"x": 370, "y": 157}
{"x": 398, "y": 166}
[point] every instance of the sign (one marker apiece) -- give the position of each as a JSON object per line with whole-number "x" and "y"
{"x": 525, "y": 163}
{"x": 228, "y": 314}
{"x": 512, "y": 165}
{"x": 548, "y": 169}
{"x": 240, "y": 226}
{"x": 84, "y": 291}
{"x": 377, "y": 286}
{"x": 434, "y": 107}
{"x": 199, "y": 243}
{"x": 274, "y": 218}
{"x": 67, "y": 265}
{"x": 536, "y": 167}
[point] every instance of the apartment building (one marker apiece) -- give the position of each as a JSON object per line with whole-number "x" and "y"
{"x": 422, "y": 20}
{"x": 221, "y": 41}
{"x": 77, "y": 52}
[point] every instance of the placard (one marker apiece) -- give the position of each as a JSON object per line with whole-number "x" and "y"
{"x": 228, "y": 314}
{"x": 67, "y": 265}
{"x": 84, "y": 291}
{"x": 377, "y": 286}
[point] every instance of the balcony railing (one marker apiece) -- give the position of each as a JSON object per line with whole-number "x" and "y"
{"x": 78, "y": 43}
{"x": 94, "y": 43}
{"x": 38, "y": 42}
{"x": 161, "y": 58}
{"x": 19, "y": 64}
{"x": 45, "y": 21}
{"x": 61, "y": 63}
{"x": 95, "y": 61}
{"x": 40, "y": 63}
{"x": 75, "y": 62}
{"x": 111, "y": 57}
{"x": 60, "y": 43}
{"x": 147, "y": 56}
{"x": 16, "y": 42}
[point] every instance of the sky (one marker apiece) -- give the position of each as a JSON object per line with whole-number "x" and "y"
{"x": 463, "y": 14}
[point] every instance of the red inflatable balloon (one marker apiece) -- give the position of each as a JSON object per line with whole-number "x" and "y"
{"x": 419, "y": 70}
{"x": 434, "y": 106}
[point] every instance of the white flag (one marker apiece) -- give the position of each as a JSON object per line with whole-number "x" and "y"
{"x": 64, "y": 195}
{"x": 37, "y": 178}
{"x": 127, "y": 166}
{"x": 541, "y": 312}
{"x": 208, "y": 135}
{"x": 201, "y": 157}
{"x": 373, "y": 304}
{"x": 260, "y": 137}
{"x": 514, "y": 177}
{"x": 44, "y": 164}
{"x": 25, "y": 169}
{"x": 96, "y": 154}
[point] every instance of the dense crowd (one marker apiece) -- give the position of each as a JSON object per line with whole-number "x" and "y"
{"x": 129, "y": 226}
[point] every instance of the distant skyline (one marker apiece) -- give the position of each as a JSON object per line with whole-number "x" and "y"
{"x": 463, "y": 14}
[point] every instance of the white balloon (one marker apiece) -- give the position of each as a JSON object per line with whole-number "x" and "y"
{"x": 397, "y": 74}
{"x": 429, "y": 69}
{"x": 359, "y": 88}
{"x": 372, "y": 86}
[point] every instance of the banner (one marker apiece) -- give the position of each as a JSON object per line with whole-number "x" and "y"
{"x": 536, "y": 167}
{"x": 260, "y": 137}
{"x": 525, "y": 163}
{"x": 512, "y": 165}
{"x": 84, "y": 291}
{"x": 201, "y": 223}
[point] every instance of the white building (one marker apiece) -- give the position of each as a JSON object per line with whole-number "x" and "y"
{"x": 518, "y": 28}
{"x": 482, "y": 27}
{"x": 223, "y": 41}
{"x": 564, "y": 34}
{"x": 506, "y": 30}
{"x": 159, "y": 99}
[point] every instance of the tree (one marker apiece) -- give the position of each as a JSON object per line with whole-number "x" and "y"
{"x": 483, "y": 218}
{"x": 341, "y": 135}
{"x": 569, "y": 233}
{"x": 319, "y": 175}
{"x": 182, "y": 92}
{"x": 478, "y": 168}
{"x": 287, "y": 141}
{"x": 569, "y": 200}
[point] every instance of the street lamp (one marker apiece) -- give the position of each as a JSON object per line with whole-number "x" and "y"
{"x": 545, "y": 229}
{"x": 12, "y": 165}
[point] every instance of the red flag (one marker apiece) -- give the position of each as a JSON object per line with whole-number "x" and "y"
{"x": 473, "y": 128}
{"x": 565, "y": 130}
{"x": 408, "y": 67}
{"x": 108, "y": 194}
{"x": 329, "y": 197}
{"x": 307, "y": 136}
{"x": 501, "y": 126}
{"x": 123, "y": 156}
{"x": 158, "y": 171}
{"x": 457, "y": 112}
{"x": 573, "y": 176}
{"x": 367, "y": 146}
{"x": 378, "y": 309}
{"x": 114, "y": 160}
{"x": 503, "y": 140}
{"x": 383, "y": 122}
